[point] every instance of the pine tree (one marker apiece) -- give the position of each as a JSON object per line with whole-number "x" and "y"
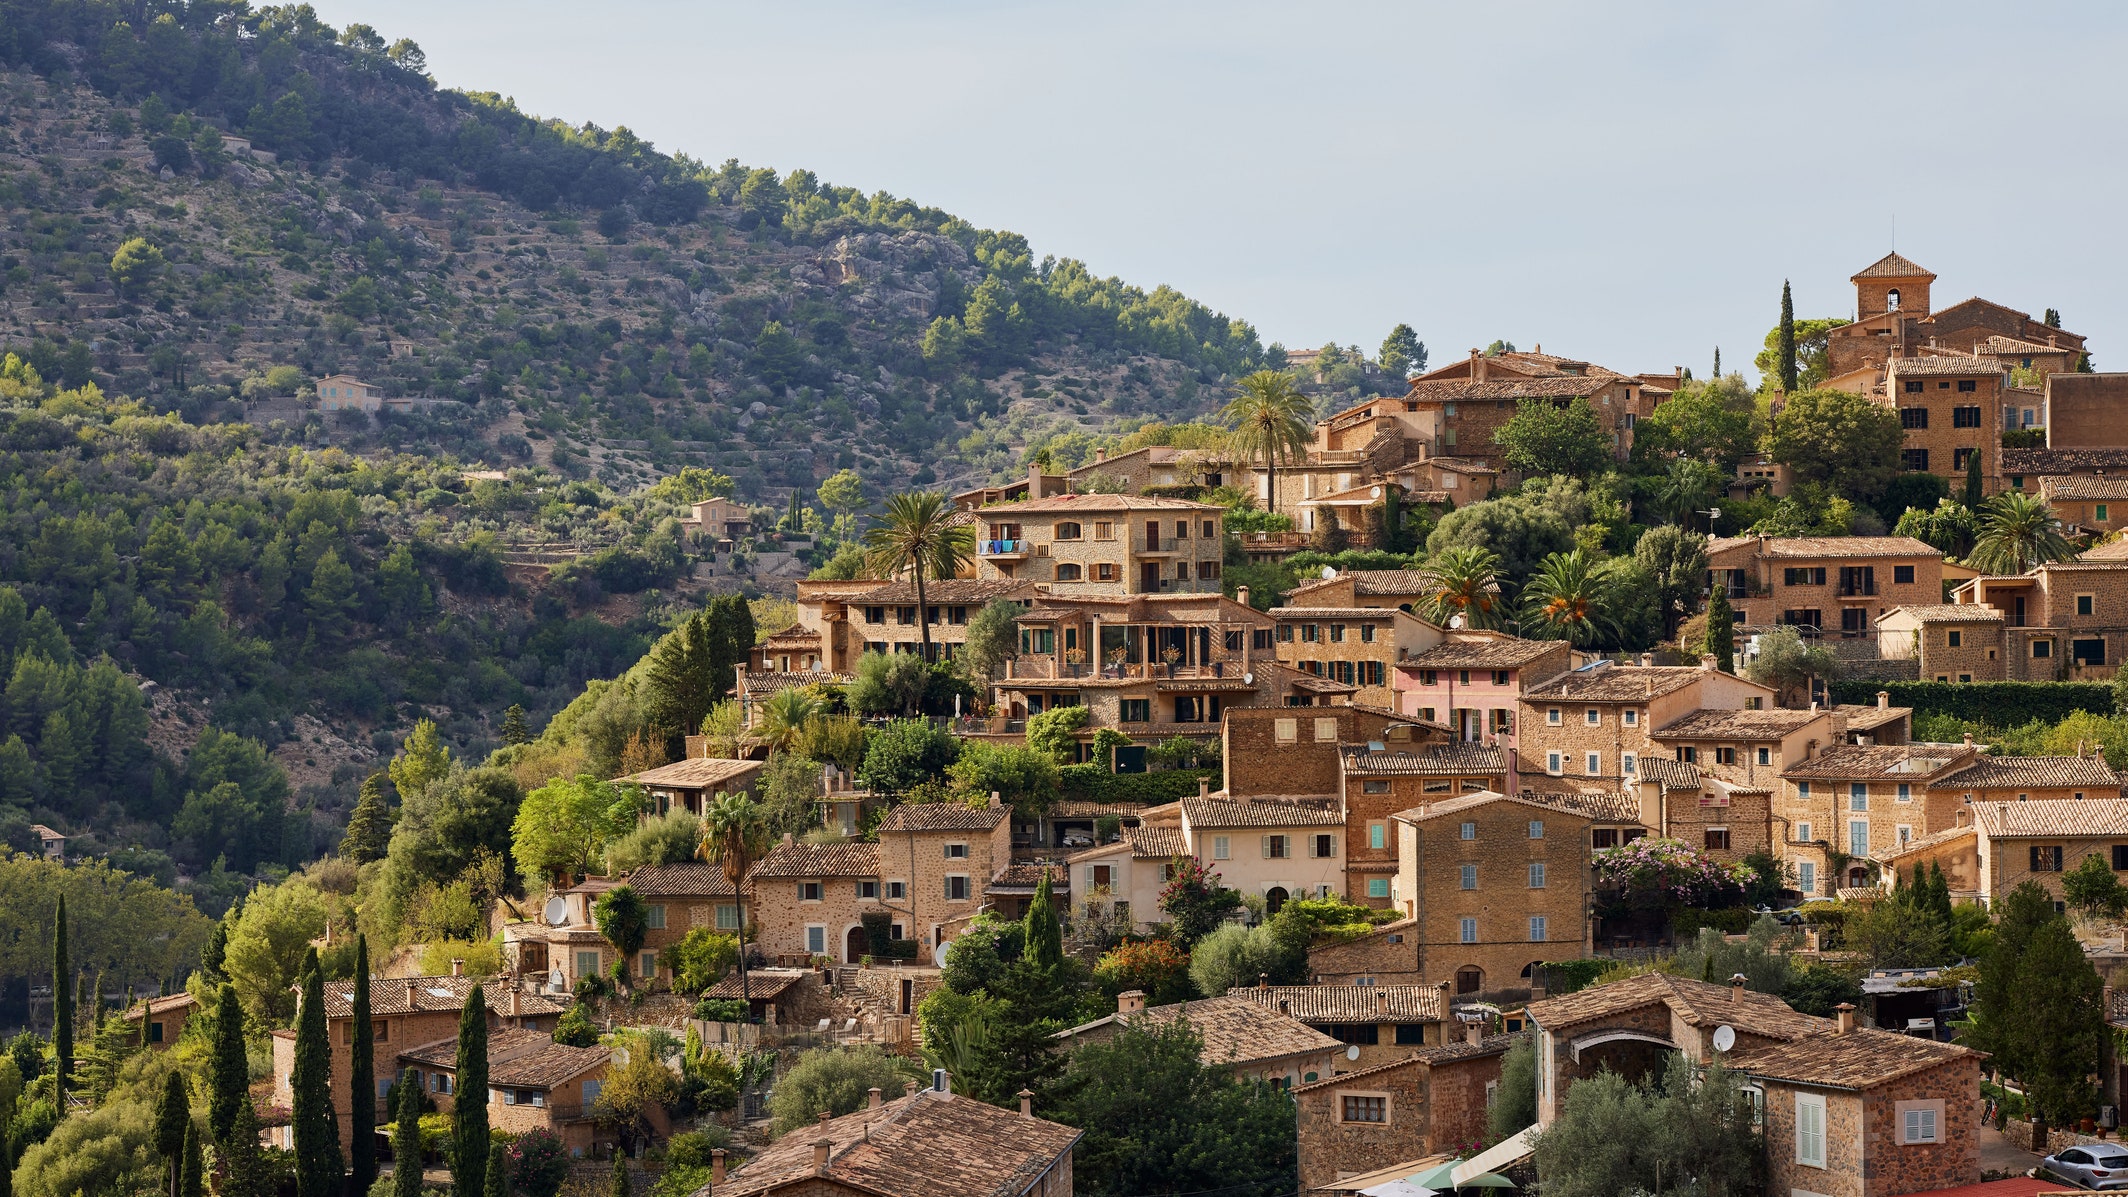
{"x": 1974, "y": 495}
{"x": 229, "y": 1070}
{"x": 498, "y": 1172}
{"x": 406, "y": 1141}
{"x": 516, "y": 728}
{"x": 1785, "y": 349}
{"x": 191, "y": 1169}
{"x": 1717, "y": 363}
{"x": 362, "y": 1079}
{"x": 211, "y": 956}
{"x": 622, "y": 1185}
{"x": 310, "y": 1114}
{"x": 173, "y": 1125}
{"x": 1044, "y": 936}
{"x": 1996, "y": 1003}
{"x": 2059, "y": 1018}
{"x": 1721, "y": 631}
{"x": 246, "y": 1173}
{"x": 469, "y": 1115}
{"x": 62, "y": 1006}
{"x": 369, "y": 826}
{"x": 2053, "y": 319}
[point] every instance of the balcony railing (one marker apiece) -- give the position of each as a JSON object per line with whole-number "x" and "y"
{"x": 1036, "y": 668}
{"x": 1858, "y": 589}
{"x": 1001, "y": 548}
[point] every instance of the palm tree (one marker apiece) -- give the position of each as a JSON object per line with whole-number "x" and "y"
{"x": 1571, "y": 597}
{"x": 735, "y": 835}
{"x": 783, "y": 716}
{"x": 1272, "y": 421}
{"x": 1463, "y": 582}
{"x": 920, "y": 532}
{"x": 2017, "y": 532}
{"x": 1688, "y": 486}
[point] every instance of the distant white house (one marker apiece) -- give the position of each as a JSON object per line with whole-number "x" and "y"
{"x": 54, "y": 843}
{"x": 344, "y": 392}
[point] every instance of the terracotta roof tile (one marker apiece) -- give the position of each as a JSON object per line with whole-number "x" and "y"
{"x": 2036, "y": 772}
{"x": 1886, "y": 762}
{"x": 818, "y": 860}
{"x": 682, "y": 879}
{"x": 1464, "y": 1049}
{"x": 390, "y": 996}
{"x": 1349, "y": 1003}
{"x": 1849, "y": 546}
{"x": 1862, "y": 717}
{"x": 160, "y": 1005}
{"x": 1028, "y": 877}
{"x": 1148, "y": 843}
{"x": 697, "y": 773}
{"x": 518, "y": 1059}
{"x": 1615, "y": 683}
{"x": 1385, "y": 582}
{"x": 1670, "y": 774}
{"x": 943, "y": 816}
{"x": 1566, "y": 804}
{"x": 2078, "y": 486}
{"x": 2046, "y": 817}
{"x": 2112, "y": 550}
{"x": 928, "y": 1144}
{"x": 1224, "y": 813}
{"x": 1769, "y": 724}
{"x": 1066, "y": 503}
{"x": 1236, "y": 1030}
{"x": 1949, "y": 612}
{"x": 1860, "y": 1059}
{"x": 1489, "y": 653}
{"x": 1609, "y": 806}
{"x": 1697, "y": 1003}
{"x": 2029, "y": 462}
{"x": 1947, "y": 835}
{"x": 1999, "y": 344}
{"x": 949, "y": 590}
{"x": 1438, "y": 759}
{"x": 1944, "y": 363}
{"x": 1290, "y": 612}
{"x": 761, "y": 984}
{"x": 1891, "y": 266}
{"x": 769, "y": 682}
{"x": 1560, "y": 386}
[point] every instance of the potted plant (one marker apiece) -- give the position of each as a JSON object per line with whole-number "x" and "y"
{"x": 1075, "y": 657}
{"x": 1171, "y": 655}
{"x": 1116, "y": 657}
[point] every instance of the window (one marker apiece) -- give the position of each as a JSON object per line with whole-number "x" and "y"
{"x": 956, "y": 851}
{"x": 1469, "y": 831}
{"x": 1140, "y": 710}
{"x": 957, "y": 887}
{"x": 1631, "y": 717}
{"x": 1208, "y": 529}
{"x": 1554, "y": 763}
{"x": 2042, "y": 649}
{"x": 868, "y": 889}
{"x": 1906, "y": 793}
{"x": 2086, "y": 604}
{"x": 1803, "y": 576}
{"x": 809, "y": 891}
{"x": 1410, "y": 1034}
{"x": 1765, "y": 755}
{"x": 1858, "y": 837}
{"x": 1914, "y": 459}
{"x": 1326, "y": 730}
{"x": 1913, "y": 417}
{"x": 1105, "y": 571}
{"x": 1104, "y": 530}
{"x": 1377, "y": 835}
{"x": 1971, "y": 385}
{"x": 1470, "y": 876}
{"x": 1914, "y": 387}
{"x": 1536, "y": 874}
{"x": 1593, "y": 717}
{"x": 1500, "y": 677}
{"x": 1917, "y": 1125}
{"x": 1716, "y": 839}
{"x": 1629, "y": 764}
{"x": 1182, "y": 529}
{"x": 1604, "y": 837}
{"x": 1067, "y": 572}
{"x": 1536, "y": 829}
{"x": 1954, "y": 639}
{"x": 1965, "y": 417}
{"x": 1594, "y": 761}
{"x": 1222, "y": 848}
{"x": 2046, "y": 859}
{"x": 2120, "y": 861}
{"x": 1551, "y": 716}
{"x": 1959, "y": 457}
{"x": 1364, "y": 1109}
{"x": 1428, "y": 677}
{"x": 875, "y": 615}
{"x": 1337, "y": 633}
{"x": 956, "y": 615}
{"x": 897, "y": 891}
{"x": 1536, "y": 928}
{"x": 1378, "y": 887}
{"x": 1286, "y": 731}
{"x": 816, "y": 940}
{"x": 2098, "y": 512}
{"x": 1469, "y": 931}
{"x": 649, "y": 964}
{"x": 654, "y": 918}
{"x": 2088, "y": 652}
{"x": 1810, "y": 1130}
{"x": 1904, "y": 834}
{"x": 1806, "y": 873}
{"x": 1278, "y": 847}
{"x": 1724, "y": 756}
{"x": 1325, "y": 846}
{"x": 1367, "y": 629}
{"x": 1902, "y": 573}
{"x": 1688, "y": 753}
{"x": 1857, "y": 796}
{"x": 727, "y": 918}
{"x": 1067, "y": 531}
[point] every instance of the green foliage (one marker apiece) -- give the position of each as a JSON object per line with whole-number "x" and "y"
{"x": 228, "y": 1069}
{"x": 266, "y": 948}
{"x": 1820, "y": 989}
{"x": 1196, "y": 902}
{"x": 369, "y": 827}
{"x": 1612, "y": 1136}
{"x": 1544, "y": 437}
{"x": 2092, "y": 889}
{"x": 1051, "y": 731}
{"x": 670, "y": 838}
{"x": 895, "y": 684}
{"x": 310, "y": 1114}
{"x": 2036, "y": 1005}
{"x": 835, "y": 1080}
{"x": 1158, "y": 1119}
{"x": 1714, "y": 421}
{"x": 1760, "y": 958}
{"x": 993, "y": 638}
{"x": 1899, "y": 934}
{"x": 1998, "y": 704}
{"x": 700, "y": 959}
{"x": 1026, "y": 778}
{"x": 1946, "y": 524}
{"x": 1574, "y": 598}
{"x": 623, "y": 918}
{"x": 575, "y": 1028}
{"x": 362, "y": 1077}
{"x": 406, "y": 1139}
{"x": 1808, "y": 353}
{"x": 2016, "y": 532}
{"x": 1514, "y": 1106}
{"x": 1789, "y": 663}
{"x": 905, "y": 753}
{"x": 1839, "y": 440}
{"x": 1156, "y": 967}
{"x": 561, "y": 826}
{"x": 1402, "y": 353}
{"x": 469, "y": 1141}
{"x": 722, "y": 1009}
{"x": 1272, "y": 422}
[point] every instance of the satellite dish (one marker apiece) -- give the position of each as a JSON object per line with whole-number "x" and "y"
{"x": 556, "y": 911}
{"x": 1374, "y": 493}
{"x": 1724, "y": 1038}
{"x": 938, "y": 954}
{"x": 1353, "y": 1052}
{"x": 1329, "y": 572}
{"x": 555, "y": 981}
{"x": 1248, "y": 679}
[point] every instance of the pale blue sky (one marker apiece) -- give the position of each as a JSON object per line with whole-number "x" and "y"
{"x": 1625, "y": 183}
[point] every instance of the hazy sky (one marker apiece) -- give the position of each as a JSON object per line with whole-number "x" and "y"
{"x": 1624, "y": 183}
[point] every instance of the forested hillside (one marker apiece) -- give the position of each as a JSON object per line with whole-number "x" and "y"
{"x": 579, "y": 298}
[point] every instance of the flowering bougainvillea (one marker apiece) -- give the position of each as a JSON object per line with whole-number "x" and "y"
{"x": 1667, "y": 872}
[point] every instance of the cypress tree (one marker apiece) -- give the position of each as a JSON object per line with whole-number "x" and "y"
{"x": 622, "y": 1186}
{"x": 469, "y": 1113}
{"x": 246, "y": 1173}
{"x": 1717, "y": 363}
{"x": 173, "y": 1125}
{"x": 310, "y": 1114}
{"x": 229, "y": 1069}
{"x": 62, "y": 1006}
{"x": 1784, "y": 349}
{"x": 1721, "y": 631}
{"x": 191, "y": 1170}
{"x": 1974, "y": 496}
{"x": 362, "y": 1079}
{"x": 1044, "y": 937}
{"x": 406, "y": 1141}
{"x": 498, "y": 1172}
{"x": 1939, "y": 893}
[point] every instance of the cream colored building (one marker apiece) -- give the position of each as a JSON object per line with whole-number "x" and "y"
{"x": 1102, "y": 544}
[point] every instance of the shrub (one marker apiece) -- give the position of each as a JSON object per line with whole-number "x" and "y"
{"x": 721, "y": 1010}
{"x": 1570, "y": 976}
{"x": 1997, "y": 704}
{"x": 538, "y": 1163}
{"x": 836, "y": 1081}
{"x": 1094, "y": 783}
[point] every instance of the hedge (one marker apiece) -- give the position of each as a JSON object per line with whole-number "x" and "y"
{"x": 1568, "y": 976}
{"x": 1093, "y": 783}
{"x": 1996, "y": 704}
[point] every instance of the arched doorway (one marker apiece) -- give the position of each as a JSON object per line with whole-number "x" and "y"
{"x": 1274, "y": 899}
{"x": 856, "y": 946}
{"x": 1470, "y": 979}
{"x": 1891, "y": 300}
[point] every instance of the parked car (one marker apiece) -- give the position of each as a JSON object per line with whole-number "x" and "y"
{"x": 1791, "y": 916}
{"x": 2101, "y": 1166}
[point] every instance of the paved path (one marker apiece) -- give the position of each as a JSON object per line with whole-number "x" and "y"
{"x": 1999, "y": 1155}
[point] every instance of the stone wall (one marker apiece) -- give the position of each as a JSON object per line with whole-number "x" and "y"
{"x": 1331, "y": 1147}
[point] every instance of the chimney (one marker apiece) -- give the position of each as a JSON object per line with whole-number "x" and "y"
{"x": 1969, "y": 739}
{"x": 1477, "y": 366}
{"x": 1241, "y": 595}
{"x": 410, "y": 994}
{"x": 1474, "y": 1032}
{"x": 1647, "y": 660}
{"x": 1130, "y": 1001}
{"x": 1100, "y": 455}
{"x": 1706, "y": 662}
{"x": 909, "y": 1088}
{"x": 875, "y": 1100}
{"x": 824, "y": 1116}
{"x": 1813, "y": 706}
{"x": 942, "y": 1081}
{"x": 1263, "y": 980}
{"x": 1285, "y": 1007}
{"x": 996, "y": 800}
{"x": 716, "y": 1167}
{"x": 821, "y": 1150}
{"x": 1204, "y": 787}
{"x": 1846, "y": 1011}
{"x": 1026, "y": 1097}
{"x": 457, "y": 966}
{"x": 1884, "y": 700}
{"x": 1736, "y": 986}
{"x": 516, "y": 1008}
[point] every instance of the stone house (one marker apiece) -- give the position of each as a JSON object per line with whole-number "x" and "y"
{"x": 1275, "y": 850}
{"x": 942, "y": 856}
{"x": 1251, "y": 1041}
{"x": 807, "y": 901}
{"x": 1748, "y": 747}
{"x": 2025, "y": 468}
{"x": 1828, "y": 583}
{"x": 2040, "y": 839}
{"x": 2065, "y": 620}
{"x": 1432, "y": 1100}
{"x": 1865, "y": 1113}
{"x": 1401, "y": 589}
{"x": 345, "y": 392}
{"x": 1474, "y": 681}
{"x": 795, "y": 649}
{"x": 404, "y": 1011}
{"x": 1726, "y": 820}
{"x": 1630, "y": 1027}
{"x": 1103, "y": 544}
{"x": 1590, "y": 728}
{"x": 1894, "y": 319}
{"x": 1860, "y": 801}
{"x": 849, "y": 619}
{"x": 695, "y": 783}
{"x": 1126, "y": 878}
{"x": 49, "y": 841}
{"x": 1151, "y": 465}
{"x": 1284, "y": 752}
{"x": 162, "y": 1018}
{"x": 719, "y": 522}
{"x": 931, "y": 1142}
{"x": 1356, "y": 646}
{"x": 1376, "y": 1023}
{"x": 1950, "y": 406}
{"x": 681, "y": 897}
{"x": 534, "y": 1083}
{"x": 1456, "y": 409}
{"x": 1378, "y": 782}
{"x": 783, "y": 997}
{"x": 1037, "y": 483}
{"x": 2088, "y": 506}
{"x": 1948, "y": 642}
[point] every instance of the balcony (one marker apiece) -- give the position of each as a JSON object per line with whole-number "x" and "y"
{"x": 1042, "y": 668}
{"x": 1859, "y": 590}
{"x": 1001, "y": 548}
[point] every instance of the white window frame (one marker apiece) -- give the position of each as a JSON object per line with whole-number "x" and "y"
{"x": 1629, "y": 764}
{"x": 1920, "y": 1124}
{"x": 1802, "y": 832}
{"x": 1469, "y": 876}
{"x": 1810, "y": 1130}
{"x": 1552, "y": 716}
{"x": 1222, "y": 848}
{"x": 1538, "y": 928}
{"x": 811, "y": 929}
{"x": 1807, "y": 876}
{"x": 1906, "y": 792}
{"x": 1631, "y": 716}
{"x": 1468, "y": 831}
{"x": 1467, "y": 931}
{"x": 1536, "y": 874}
{"x": 1555, "y": 763}
{"x": 1593, "y": 717}
{"x": 1594, "y": 763}
{"x": 1536, "y": 829}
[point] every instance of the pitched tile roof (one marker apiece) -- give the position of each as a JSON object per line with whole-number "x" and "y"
{"x": 1464, "y": 1049}
{"x": 1615, "y": 683}
{"x": 1671, "y": 775}
{"x": 818, "y": 860}
{"x": 696, "y": 773}
{"x": 1450, "y": 759}
{"x": 682, "y": 879}
{"x": 1608, "y": 806}
{"x": 1697, "y": 1003}
{"x": 943, "y": 816}
{"x": 159, "y": 1005}
{"x": 1849, "y": 546}
{"x": 1937, "y": 840}
{"x": 1949, "y": 612}
{"x": 1384, "y": 582}
{"x": 1862, "y": 717}
{"x": 1224, "y": 813}
{"x": 1342, "y": 1079}
{"x": 1566, "y": 804}
{"x": 2008, "y": 345}
{"x": 2062, "y": 461}
{"x": 518, "y": 1058}
{"x": 1155, "y": 842}
{"x": 1087, "y": 808}
{"x": 391, "y": 996}
{"x": 2008, "y": 772}
{"x": 2047, "y": 817}
{"x": 2112, "y": 550}
{"x": 1027, "y": 878}
{"x": 761, "y": 984}
{"x": 1945, "y": 363}
{"x": 1860, "y": 1059}
{"x": 1290, "y": 612}
{"x": 794, "y": 636}
{"x": 1236, "y": 1030}
{"x": 945, "y": 590}
{"x": 1891, "y": 266}
{"x": 2083, "y": 486}
{"x": 1558, "y": 386}
{"x": 1489, "y": 653}
{"x": 1349, "y": 1003}
{"x": 1769, "y": 724}
{"x": 928, "y": 1144}
{"x": 770, "y": 681}
{"x": 1858, "y": 762}
{"x": 1066, "y": 503}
